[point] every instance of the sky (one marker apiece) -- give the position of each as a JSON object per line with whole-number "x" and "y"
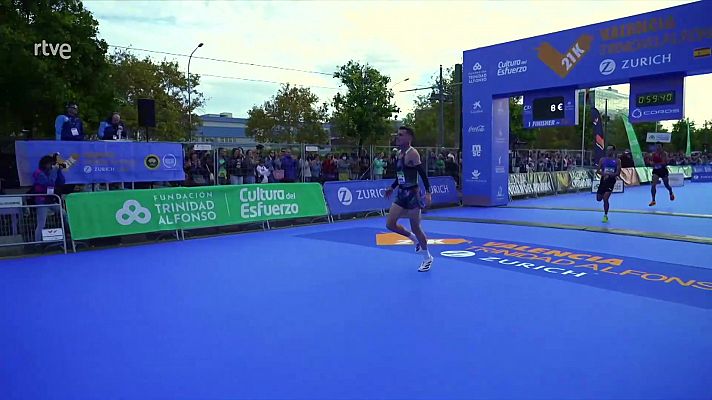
{"x": 402, "y": 39}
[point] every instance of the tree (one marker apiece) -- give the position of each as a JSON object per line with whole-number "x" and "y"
{"x": 425, "y": 119}
{"x": 294, "y": 115}
{"x": 679, "y": 136}
{"x": 41, "y": 84}
{"x": 363, "y": 113}
{"x": 516, "y": 122}
{"x": 133, "y": 79}
{"x": 704, "y": 136}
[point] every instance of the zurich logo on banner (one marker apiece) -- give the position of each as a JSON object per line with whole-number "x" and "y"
{"x": 702, "y": 177}
{"x": 344, "y": 197}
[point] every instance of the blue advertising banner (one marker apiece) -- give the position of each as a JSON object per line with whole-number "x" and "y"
{"x": 660, "y": 42}
{"x": 443, "y": 189}
{"x": 672, "y": 41}
{"x": 702, "y": 173}
{"x": 477, "y": 150}
{"x": 344, "y": 197}
{"x": 103, "y": 162}
{"x": 499, "y": 161}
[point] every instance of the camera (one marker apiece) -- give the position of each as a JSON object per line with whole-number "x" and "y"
{"x": 57, "y": 160}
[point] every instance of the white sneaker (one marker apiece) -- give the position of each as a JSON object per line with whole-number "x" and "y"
{"x": 426, "y": 264}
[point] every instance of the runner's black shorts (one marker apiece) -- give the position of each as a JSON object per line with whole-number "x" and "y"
{"x": 661, "y": 172}
{"x": 607, "y": 185}
{"x": 409, "y": 198}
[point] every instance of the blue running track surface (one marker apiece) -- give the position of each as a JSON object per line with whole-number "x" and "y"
{"x": 339, "y": 311}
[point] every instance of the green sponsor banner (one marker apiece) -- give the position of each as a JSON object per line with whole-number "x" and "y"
{"x": 127, "y": 212}
{"x": 686, "y": 170}
{"x": 645, "y": 174}
{"x": 634, "y": 145}
{"x": 688, "y": 150}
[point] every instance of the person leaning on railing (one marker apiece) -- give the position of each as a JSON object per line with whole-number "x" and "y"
{"x": 329, "y": 168}
{"x": 249, "y": 167}
{"x": 47, "y": 179}
{"x": 315, "y": 165}
{"x": 379, "y": 165}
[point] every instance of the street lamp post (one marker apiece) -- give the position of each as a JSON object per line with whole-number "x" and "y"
{"x": 190, "y": 112}
{"x": 393, "y": 87}
{"x": 404, "y": 80}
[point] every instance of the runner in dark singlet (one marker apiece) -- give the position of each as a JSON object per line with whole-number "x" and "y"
{"x": 660, "y": 171}
{"x": 408, "y": 200}
{"x": 609, "y": 167}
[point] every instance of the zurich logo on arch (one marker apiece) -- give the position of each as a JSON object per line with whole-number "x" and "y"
{"x": 607, "y": 66}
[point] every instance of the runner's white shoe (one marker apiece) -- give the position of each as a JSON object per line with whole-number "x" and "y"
{"x": 426, "y": 264}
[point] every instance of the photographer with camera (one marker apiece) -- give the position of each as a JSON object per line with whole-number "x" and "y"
{"x": 47, "y": 179}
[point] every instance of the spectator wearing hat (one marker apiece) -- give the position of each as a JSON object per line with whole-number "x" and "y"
{"x": 69, "y": 126}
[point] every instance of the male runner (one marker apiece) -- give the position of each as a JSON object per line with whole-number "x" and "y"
{"x": 609, "y": 167}
{"x": 408, "y": 200}
{"x": 660, "y": 171}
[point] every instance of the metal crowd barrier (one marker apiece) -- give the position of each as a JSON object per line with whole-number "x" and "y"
{"x": 24, "y": 223}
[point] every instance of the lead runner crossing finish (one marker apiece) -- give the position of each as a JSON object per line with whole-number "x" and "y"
{"x": 409, "y": 202}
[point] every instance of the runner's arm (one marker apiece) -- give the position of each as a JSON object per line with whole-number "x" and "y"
{"x": 414, "y": 160}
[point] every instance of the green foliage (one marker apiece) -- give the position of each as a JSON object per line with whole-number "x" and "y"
{"x": 363, "y": 113}
{"x": 294, "y": 115}
{"x": 41, "y": 85}
{"x": 679, "y": 136}
{"x": 425, "y": 119}
{"x": 516, "y": 122}
{"x": 133, "y": 78}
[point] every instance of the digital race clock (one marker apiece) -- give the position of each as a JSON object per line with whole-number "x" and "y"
{"x": 653, "y": 99}
{"x": 657, "y": 98}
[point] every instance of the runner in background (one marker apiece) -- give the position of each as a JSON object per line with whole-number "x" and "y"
{"x": 660, "y": 171}
{"x": 609, "y": 167}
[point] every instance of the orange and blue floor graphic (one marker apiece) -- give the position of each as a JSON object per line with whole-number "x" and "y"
{"x": 339, "y": 311}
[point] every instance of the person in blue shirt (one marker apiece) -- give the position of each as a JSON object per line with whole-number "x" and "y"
{"x": 610, "y": 169}
{"x": 289, "y": 165}
{"x": 69, "y": 126}
{"x": 114, "y": 128}
{"x": 46, "y": 182}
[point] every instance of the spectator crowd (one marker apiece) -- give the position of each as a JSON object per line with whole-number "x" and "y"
{"x": 237, "y": 166}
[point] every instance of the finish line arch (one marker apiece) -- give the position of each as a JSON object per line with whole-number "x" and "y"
{"x": 655, "y": 51}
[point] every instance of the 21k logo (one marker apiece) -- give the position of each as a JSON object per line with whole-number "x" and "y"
{"x": 562, "y": 64}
